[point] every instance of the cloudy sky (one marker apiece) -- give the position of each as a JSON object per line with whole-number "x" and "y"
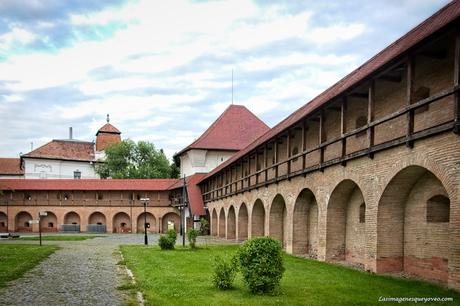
{"x": 162, "y": 69}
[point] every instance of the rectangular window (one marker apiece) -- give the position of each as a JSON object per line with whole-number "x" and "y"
{"x": 77, "y": 174}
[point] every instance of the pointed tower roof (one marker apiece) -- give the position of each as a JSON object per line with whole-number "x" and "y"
{"x": 108, "y": 128}
{"x": 233, "y": 130}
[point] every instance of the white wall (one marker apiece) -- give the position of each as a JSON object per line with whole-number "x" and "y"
{"x": 57, "y": 169}
{"x": 202, "y": 161}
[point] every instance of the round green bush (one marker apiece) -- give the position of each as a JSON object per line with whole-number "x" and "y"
{"x": 261, "y": 263}
{"x": 172, "y": 234}
{"x": 166, "y": 242}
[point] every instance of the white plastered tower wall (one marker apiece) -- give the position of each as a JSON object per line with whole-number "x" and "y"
{"x": 202, "y": 161}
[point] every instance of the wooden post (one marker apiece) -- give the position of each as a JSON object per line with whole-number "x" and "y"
{"x": 242, "y": 173}
{"x": 321, "y": 138}
{"x": 303, "y": 144}
{"x": 288, "y": 153}
{"x": 456, "y": 83}
{"x": 249, "y": 170}
{"x": 343, "y": 128}
{"x": 257, "y": 166}
{"x": 266, "y": 162}
{"x": 275, "y": 152}
{"x": 409, "y": 92}
{"x": 370, "y": 117}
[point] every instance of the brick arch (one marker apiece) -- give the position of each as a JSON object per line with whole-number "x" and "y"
{"x": 72, "y": 217}
{"x": 148, "y": 218}
{"x": 222, "y": 222}
{"x": 258, "y": 219}
{"x": 49, "y": 223}
{"x": 171, "y": 220}
{"x": 3, "y": 222}
{"x": 277, "y": 219}
{"x": 406, "y": 240}
{"x": 214, "y": 222}
{"x": 305, "y": 224}
{"x": 121, "y": 223}
{"x": 96, "y": 218}
{"x": 243, "y": 222}
{"x": 231, "y": 223}
{"x": 345, "y": 235}
{"x": 21, "y": 222}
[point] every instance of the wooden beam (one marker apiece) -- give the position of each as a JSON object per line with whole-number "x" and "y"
{"x": 304, "y": 143}
{"x": 409, "y": 95}
{"x": 370, "y": 117}
{"x": 343, "y": 127}
{"x": 257, "y": 166}
{"x": 266, "y": 162}
{"x": 288, "y": 153}
{"x": 321, "y": 137}
{"x": 456, "y": 83}
{"x": 275, "y": 152}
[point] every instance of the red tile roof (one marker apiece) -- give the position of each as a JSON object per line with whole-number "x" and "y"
{"x": 445, "y": 16}
{"x": 93, "y": 184}
{"x": 65, "y": 150}
{"x": 233, "y": 130}
{"x": 10, "y": 166}
{"x": 108, "y": 128}
{"x": 195, "y": 199}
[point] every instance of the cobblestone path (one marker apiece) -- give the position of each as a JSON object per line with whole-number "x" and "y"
{"x": 80, "y": 273}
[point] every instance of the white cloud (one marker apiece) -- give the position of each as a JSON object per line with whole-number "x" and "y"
{"x": 336, "y": 33}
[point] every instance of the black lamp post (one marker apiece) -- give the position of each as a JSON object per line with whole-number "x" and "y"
{"x": 145, "y": 201}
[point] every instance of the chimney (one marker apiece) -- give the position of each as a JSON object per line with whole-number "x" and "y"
{"x": 70, "y": 133}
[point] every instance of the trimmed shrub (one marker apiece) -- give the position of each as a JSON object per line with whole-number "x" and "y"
{"x": 204, "y": 226}
{"x": 172, "y": 234}
{"x": 261, "y": 263}
{"x": 192, "y": 234}
{"x": 166, "y": 242}
{"x": 224, "y": 273}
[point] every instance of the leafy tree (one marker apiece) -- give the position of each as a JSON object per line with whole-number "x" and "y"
{"x": 175, "y": 166}
{"x": 128, "y": 159}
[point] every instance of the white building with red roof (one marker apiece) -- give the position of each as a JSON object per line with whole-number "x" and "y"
{"x": 235, "y": 128}
{"x": 69, "y": 158}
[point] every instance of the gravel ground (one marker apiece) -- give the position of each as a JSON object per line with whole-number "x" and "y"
{"x": 79, "y": 273}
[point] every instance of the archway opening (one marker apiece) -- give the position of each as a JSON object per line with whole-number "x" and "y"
{"x": 413, "y": 225}
{"x": 48, "y": 222}
{"x": 214, "y": 223}
{"x": 231, "y": 223}
{"x": 96, "y": 223}
{"x": 243, "y": 222}
{"x": 22, "y": 222}
{"x": 3, "y": 222}
{"x": 258, "y": 219}
{"x": 305, "y": 225}
{"x": 346, "y": 234}
{"x": 171, "y": 221}
{"x": 148, "y": 219}
{"x": 222, "y": 223}
{"x": 71, "y": 222}
{"x": 278, "y": 219}
{"x": 120, "y": 223}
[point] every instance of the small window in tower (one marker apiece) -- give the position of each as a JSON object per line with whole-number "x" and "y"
{"x": 100, "y": 196}
{"x": 362, "y": 213}
{"x": 77, "y": 174}
{"x": 27, "y": 197}
{"x": 66, "y": 197}
{"x": 360, "y": 122}
{"x": 438, "y": 209}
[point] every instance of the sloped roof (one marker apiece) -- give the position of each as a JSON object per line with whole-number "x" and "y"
{"x": 92, "y": 184}
{"x": 195, "y": 199}
{"x": 65, "y": 150}
{"x": 235, "y": 128}
{"x": 10, "y": 166}
{"x": 108, "y": 128}
{"x": 437, "y": 21}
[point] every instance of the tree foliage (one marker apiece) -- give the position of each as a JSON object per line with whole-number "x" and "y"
{"x": 129, "y": 159}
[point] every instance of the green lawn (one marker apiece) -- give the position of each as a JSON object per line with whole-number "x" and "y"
{"x": 58, "y": 238}
{"x": 16, "y": 259}
{"x": 183, "y": 277}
